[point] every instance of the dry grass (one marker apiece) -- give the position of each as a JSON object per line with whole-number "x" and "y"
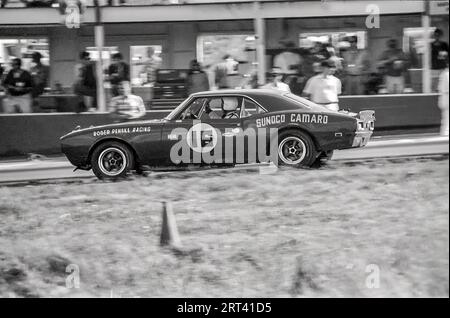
{"x": 294, "y": 233}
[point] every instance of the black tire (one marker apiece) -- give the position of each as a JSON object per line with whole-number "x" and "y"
{"x": 295, "y": 149}
{"x": 112, "y": 160}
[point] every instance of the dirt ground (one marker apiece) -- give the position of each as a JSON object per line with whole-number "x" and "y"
{"x": 379, "y": 229}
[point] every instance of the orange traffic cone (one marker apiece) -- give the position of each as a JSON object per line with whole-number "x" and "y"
{"x": 169, "y": 230}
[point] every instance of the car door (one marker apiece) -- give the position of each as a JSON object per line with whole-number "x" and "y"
{"x": 177, "y": 129}
{"x": 227, "y": 125}
{"x": 250, "y": 111}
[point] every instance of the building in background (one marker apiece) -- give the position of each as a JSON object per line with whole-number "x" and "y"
{"x": 206, "y": 30}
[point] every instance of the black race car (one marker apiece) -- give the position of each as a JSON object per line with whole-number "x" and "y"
{"x": 223, "y": 127}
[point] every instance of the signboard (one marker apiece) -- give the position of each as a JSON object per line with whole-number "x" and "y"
{"x": 438, "y": 7}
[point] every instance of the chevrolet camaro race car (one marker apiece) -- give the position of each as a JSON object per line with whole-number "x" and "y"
{"x": 220, "y": 127}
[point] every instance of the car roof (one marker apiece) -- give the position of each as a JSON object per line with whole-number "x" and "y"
{"x": 270, "y": 99}
{"x": 248, "y": 92}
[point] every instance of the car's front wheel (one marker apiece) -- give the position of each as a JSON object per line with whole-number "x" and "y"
{"x": 111, "y": 160}
{"x": 296, "y": 148}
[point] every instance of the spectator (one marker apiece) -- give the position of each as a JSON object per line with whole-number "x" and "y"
{"x": 374, "y": 82}
{"x": 40, "y": 74}
{"x": 126, "y": 106}
{"x": 153, "y": 63}
{"x": 356, "y": 68}
{"x": 118, "y": 71}
{"x": 275, "y": 81}
{"x": 443, "y": 99}
{"x": 224, "y": 70}
{"x": 395, "y": 62}
{"x": 324, "y": 89}
{"x": 311, "y": 62}
{"x": 86, "y": 83}
{"x": 288, "y": 63}
{"x": 197, "y": 79}
{"x": 439, "y": 53}
{"x": 19, "y": 85}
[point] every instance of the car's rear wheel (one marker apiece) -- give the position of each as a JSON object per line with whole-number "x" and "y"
{"x": 112, "y": 160}
{"x": 296, "y": 149}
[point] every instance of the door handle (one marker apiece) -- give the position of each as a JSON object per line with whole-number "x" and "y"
{"x": 232, "y": 133}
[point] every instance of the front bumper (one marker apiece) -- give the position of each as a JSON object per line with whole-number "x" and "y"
{"x": 364, "y": 128}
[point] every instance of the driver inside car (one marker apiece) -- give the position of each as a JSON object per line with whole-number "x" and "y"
{"x": 209, "y": 113}
{"x": 229, "y": 107}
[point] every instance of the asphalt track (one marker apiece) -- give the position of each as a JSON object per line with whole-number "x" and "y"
{"x": 55, "y": 169}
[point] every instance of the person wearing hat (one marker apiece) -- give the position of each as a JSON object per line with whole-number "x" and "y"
{"x": 324, "y": 88}
{"x": 275, "y": 82}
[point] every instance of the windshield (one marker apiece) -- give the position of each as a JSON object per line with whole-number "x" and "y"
{"x": 177, "y": 110}
{"x": 304, "y": 102}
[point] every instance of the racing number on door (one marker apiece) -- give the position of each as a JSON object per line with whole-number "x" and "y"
{"x": 202, "y": 137}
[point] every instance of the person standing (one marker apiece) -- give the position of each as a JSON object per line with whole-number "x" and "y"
{"x": 19, "y": 86}
{"x": 86, "y": 83}
{"x": 395, "y": 63}
{"x": 276, "y": 83}
{"x": 356, "y": 68}
{"x": 225, "y": 73}
{"x": 324, "y": 88}
{"x": 40, "y": 74}
{"x": 197, "y": 79}
{"x": 439, "y": 54}
{"x": 289, "y": 63}
{"x": 126, "y": 106}
{"x": 443, "y": 99}
{"x": 152, "y": 64}
{"x": 118, "y": 71}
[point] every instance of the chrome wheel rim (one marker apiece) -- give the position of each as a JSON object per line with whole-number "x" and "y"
{"x": 112, "y": 161}
{"x": 292, "y": 150}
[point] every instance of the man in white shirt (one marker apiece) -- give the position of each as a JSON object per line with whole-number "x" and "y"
{"x": 126, "y": 106}
{"x": 324, "y": 88}
{"x": 276, "y": 82}
{"x": 443, "y": 100}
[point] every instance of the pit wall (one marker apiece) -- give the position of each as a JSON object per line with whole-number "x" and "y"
{"x": 21, "y": 134}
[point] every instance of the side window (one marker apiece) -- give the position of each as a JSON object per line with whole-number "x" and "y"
{"x": 225, "y": 107}
{"x": 194, "y": 110}
{"x": 250, "y": 108}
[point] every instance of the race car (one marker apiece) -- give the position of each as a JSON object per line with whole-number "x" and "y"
{"x": 224, "y": 127}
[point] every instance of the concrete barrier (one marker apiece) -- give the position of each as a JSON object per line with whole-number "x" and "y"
{"x": 21, "y": 134}
{"x": 397, "y": 111}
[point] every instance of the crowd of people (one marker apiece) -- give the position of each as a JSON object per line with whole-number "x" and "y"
{"x": 358, "y": 72}
{"x": 24, "y": 86}
{"x": 321, "y": 75}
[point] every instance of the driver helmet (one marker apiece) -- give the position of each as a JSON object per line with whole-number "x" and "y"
{"x": 230, "y": 104}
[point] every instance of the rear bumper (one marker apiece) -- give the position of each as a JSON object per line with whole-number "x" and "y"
{"x": 364, "y": 128}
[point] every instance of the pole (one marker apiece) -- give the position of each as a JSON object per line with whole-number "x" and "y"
{"x": 426, "y": 56}
{"x": 260, "y": 44}
{"x": 99, "y": 43}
